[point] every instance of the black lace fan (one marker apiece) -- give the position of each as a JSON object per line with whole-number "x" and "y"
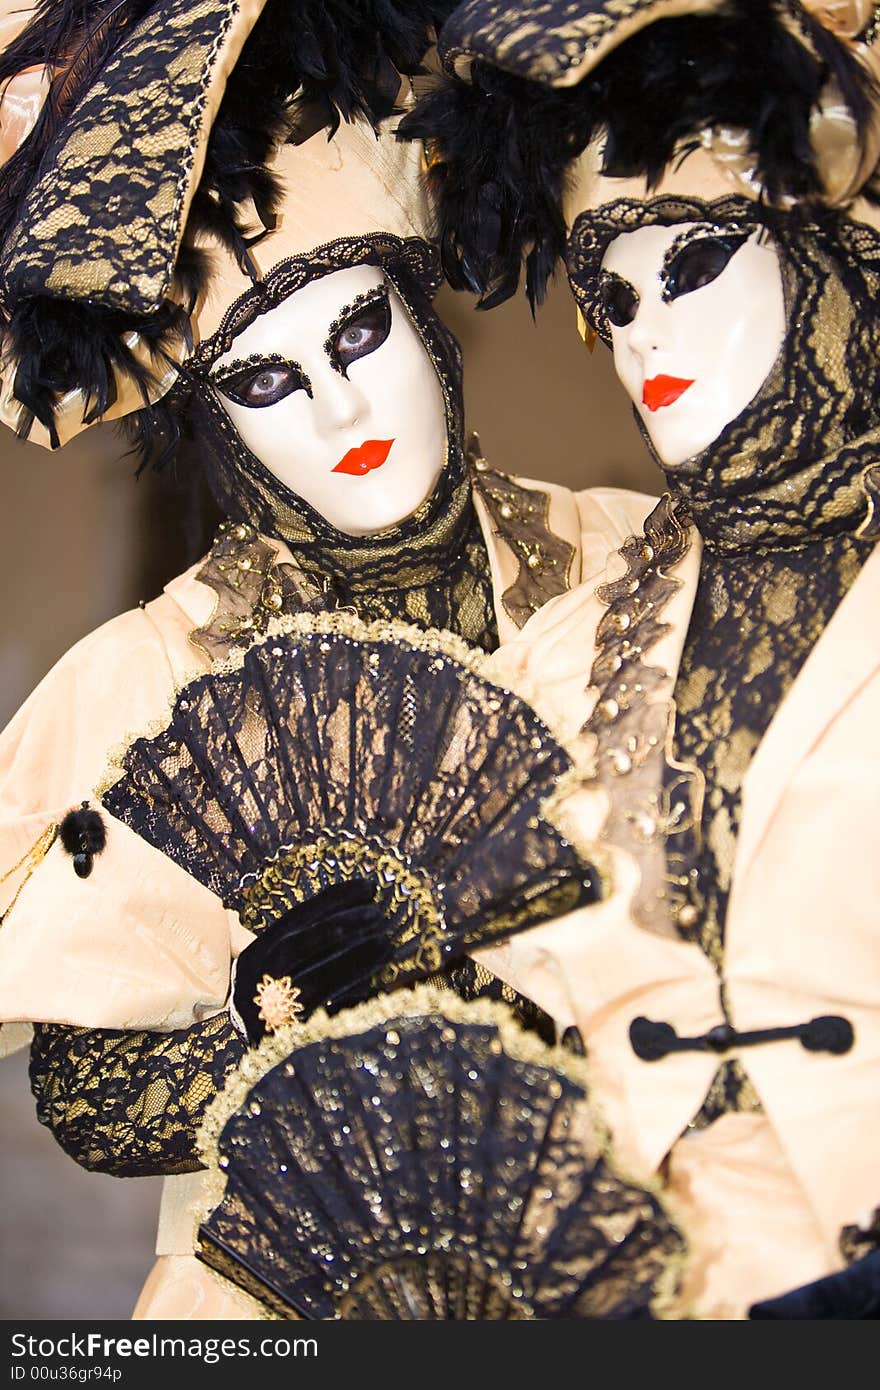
{"x": 431, "y": 1163}
{"x": 331, "y": 757}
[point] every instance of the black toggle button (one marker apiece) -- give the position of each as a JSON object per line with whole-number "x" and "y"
{"x": 651, "y": 1041}
{"x": 720, "y": 1038}
{"x": 830, "y": 1033}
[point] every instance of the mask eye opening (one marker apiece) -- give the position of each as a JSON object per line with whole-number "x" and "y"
{"x": 370, "y": 311}
{"x": 618, "y": 299}
{"x": 699, "y": 257}
{"x": 238, "y": 380}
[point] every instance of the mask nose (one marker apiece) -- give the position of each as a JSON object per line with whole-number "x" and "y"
{"x": 645, "y": 336}
{"x": 338, "y": 402}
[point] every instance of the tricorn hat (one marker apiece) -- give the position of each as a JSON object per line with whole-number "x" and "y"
{"x": 173, "y": 152}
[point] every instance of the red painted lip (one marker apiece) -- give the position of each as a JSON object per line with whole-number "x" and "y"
{"x": 663, "y": 390}
{"x": 368, "y": 456}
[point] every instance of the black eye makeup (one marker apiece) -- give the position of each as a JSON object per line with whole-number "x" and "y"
{"x": 260, "y": 380}
{"x": 698, "y": 257}
{"x": 359, "y": 329}
{"x": 618, "y": 300}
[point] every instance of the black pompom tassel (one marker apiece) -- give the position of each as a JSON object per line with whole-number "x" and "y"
{"x": 83, "y": 835}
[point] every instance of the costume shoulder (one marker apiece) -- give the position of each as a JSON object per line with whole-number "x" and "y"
{"x": 608, "y": 516}
{"x": 85, "y": 951}
{"x": 106, "y": 688}
{"x": 548, "y": 661}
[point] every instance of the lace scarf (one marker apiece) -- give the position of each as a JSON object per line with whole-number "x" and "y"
{"x": 783, "y": 500}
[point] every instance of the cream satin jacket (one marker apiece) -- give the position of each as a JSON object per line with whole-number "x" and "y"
{"x": 139, "y": 943}
{"x": 763, "y": 1197}
{"x": 766, "y": 1195}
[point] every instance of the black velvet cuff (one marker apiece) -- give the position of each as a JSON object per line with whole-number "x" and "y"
{"x": 330, "y": 948}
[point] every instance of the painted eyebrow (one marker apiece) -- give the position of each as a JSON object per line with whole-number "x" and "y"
{"x": 378, "y": 294}
{"x": 257, "y": 359}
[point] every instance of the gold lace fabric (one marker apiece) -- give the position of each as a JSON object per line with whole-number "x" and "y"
{"x": 104, "y": 219}
{"x": 754, "y": 623}
{"x": 542, "y": 40}
{"x": 129, "y": 1103}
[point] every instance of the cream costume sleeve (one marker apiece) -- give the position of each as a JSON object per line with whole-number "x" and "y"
{"x": 137, "y": 943}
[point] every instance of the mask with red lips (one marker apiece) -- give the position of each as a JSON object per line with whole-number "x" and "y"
{"x": 696, "y": 319}
{"x": 328, "y": 412}
{"x": 334, "y": 391}
{"x": 725, "y": 320}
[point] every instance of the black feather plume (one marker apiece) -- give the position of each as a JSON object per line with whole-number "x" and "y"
{"x": 504, "y": 143}
{"x": 679, "y": 76}
{"x": 62, "y": 346}
{"x": 304, "y": 68}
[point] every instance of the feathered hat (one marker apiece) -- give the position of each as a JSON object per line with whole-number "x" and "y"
{"x": 168, "y": 155}
{"x": 782, "y": 96}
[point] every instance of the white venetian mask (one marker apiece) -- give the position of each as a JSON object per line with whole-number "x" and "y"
{"x": 335, "y": 393}
{"x": 697, "y": 320}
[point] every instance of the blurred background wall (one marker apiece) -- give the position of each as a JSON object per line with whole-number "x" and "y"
{"x": 82, "y": 541}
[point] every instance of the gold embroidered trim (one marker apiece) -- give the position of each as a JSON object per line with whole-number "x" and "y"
{"x": 521, "y": 519}
{"x": 296, "y": 873}
{"x": 29, "y": 860}
{"x": 251, "y": 587}
{"x": 634, "y": 735}
{"x": 422, "y": 1001}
